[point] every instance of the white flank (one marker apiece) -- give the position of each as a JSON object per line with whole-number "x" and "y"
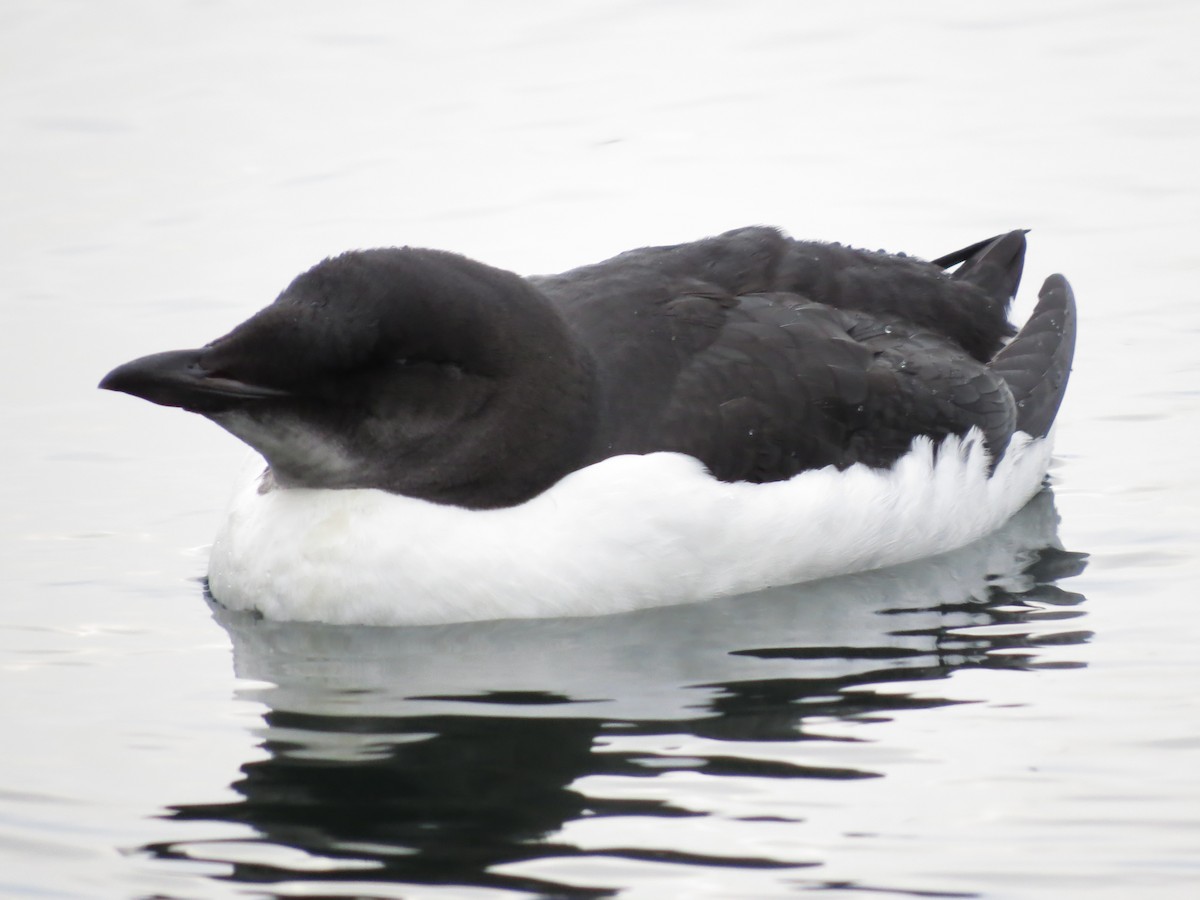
{"x": 626, "y": 533}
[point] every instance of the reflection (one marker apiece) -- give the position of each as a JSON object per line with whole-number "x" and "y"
{"x": 437, "y": 755}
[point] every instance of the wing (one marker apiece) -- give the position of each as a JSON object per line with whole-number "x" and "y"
{"x": 791, "y": 386}
{"x": 969, "y": 306}
{"x": 763, "y": 356}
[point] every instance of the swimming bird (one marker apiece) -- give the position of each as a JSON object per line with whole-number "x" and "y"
{"x": 448, "y": 441}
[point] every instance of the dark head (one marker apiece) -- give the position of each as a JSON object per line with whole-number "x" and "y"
{"x": 414, "y": 371}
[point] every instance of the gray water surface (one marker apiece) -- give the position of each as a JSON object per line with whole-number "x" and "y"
{"x": 1015, "y": 720}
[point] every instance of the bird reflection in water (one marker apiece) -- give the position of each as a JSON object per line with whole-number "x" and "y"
{"x": 442, "y": 755}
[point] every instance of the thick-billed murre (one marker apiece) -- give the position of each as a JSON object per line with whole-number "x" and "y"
{"x": 449, "y": 441}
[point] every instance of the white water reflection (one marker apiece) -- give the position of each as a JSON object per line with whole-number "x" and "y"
{"x": 551, "y": 755}
{"x": 648, "y": 665}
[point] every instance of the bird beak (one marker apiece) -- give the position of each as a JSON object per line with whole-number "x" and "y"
{"x": 177, "y": 378}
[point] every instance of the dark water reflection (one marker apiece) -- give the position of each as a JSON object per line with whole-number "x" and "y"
{"x": 438, "y": 755}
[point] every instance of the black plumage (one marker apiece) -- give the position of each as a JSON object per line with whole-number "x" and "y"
{"x": 428, "y": 374}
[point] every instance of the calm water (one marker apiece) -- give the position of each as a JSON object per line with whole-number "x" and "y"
{"x": 1018, "y": 719}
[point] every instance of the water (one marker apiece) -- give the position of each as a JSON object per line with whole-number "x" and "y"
{"x": 1012, "y": 721}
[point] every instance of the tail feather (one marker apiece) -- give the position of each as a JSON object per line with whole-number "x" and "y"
{"x": 993, "y": 265}
{"x": 1036, "y": 364}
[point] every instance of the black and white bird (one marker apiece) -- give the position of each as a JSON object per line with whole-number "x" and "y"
{"x": 448, "y": 441}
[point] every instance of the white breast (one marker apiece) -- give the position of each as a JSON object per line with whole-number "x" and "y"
{"x": 626, "y": 533}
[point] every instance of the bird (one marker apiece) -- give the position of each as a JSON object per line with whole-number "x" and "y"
{"x": 449, "y": 441}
